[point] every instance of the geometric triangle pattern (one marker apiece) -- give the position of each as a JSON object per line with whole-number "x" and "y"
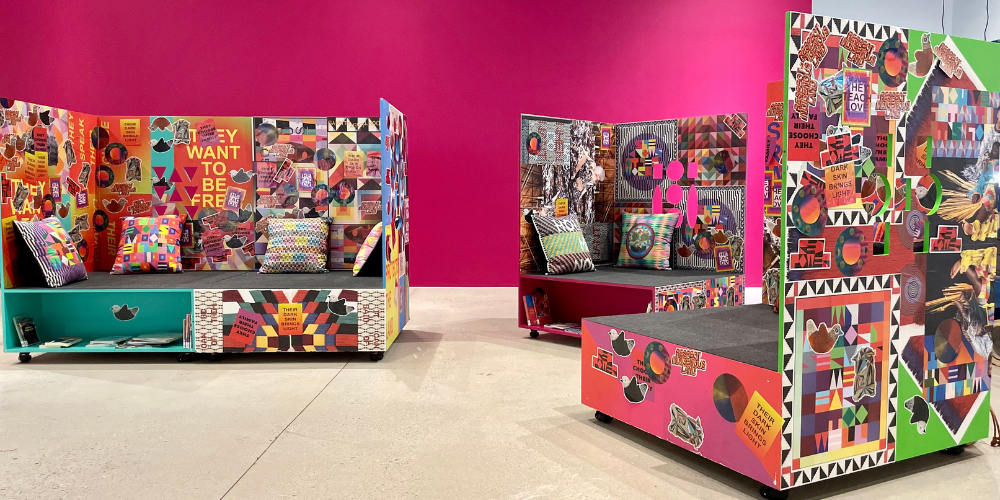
{"x": 792, "y": 473}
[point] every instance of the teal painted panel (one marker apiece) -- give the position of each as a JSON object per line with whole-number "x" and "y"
{"x": 89, "y": 315}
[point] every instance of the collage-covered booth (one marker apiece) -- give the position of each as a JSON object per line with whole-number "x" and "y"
{"x": 228, "y": 178}
{"x": 880, "y": 257}
{"x": 600, "y": 174}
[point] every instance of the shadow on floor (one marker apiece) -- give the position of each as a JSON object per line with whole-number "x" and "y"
{"x": 851, "y": 484}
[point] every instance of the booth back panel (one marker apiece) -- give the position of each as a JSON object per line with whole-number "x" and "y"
{"x": 580, "y": 183}
{"x": 889, "y": 247}
{"x": 47, "y": 162}
{"x": 395, "y": 219}
{"x": 319, "y": 167}
{"x": 195, "y": 166}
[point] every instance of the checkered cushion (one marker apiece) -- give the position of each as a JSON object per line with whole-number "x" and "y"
{"x": 646, "y": 240}
{"x": 296, "y": 246}
{"x": 53, "y": 250}
{"x": 150, "y": 245}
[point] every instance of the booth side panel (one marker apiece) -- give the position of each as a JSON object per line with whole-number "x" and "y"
{"x": 395, "y": 219}
{"x": 721, "y": 409}
{"x": 319, "y": 167}
{"x": 890, "y": 244}
{"x": 47, "y": 162}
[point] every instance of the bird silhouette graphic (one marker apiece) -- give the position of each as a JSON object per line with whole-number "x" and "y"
{"x": 240, "y": 176}
{"x": 822, "y": 339}
{"x": 161, "y": 123}
{"x": 924, "y": 57}
{"x": 115, "y": 206}
{"x": 619, "y": 344}
{"x": 920, "y": 413}
{"x": 635, "y": 391}
{"x": 245, "y": 214}
{"x": 338, "y": 308}
{"x": 233, "y": 241}
{"x": 124, "y": 312}
{"x": 161, "y": 146}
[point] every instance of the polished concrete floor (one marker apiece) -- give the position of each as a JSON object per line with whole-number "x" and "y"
{"x": 464, "y": 406}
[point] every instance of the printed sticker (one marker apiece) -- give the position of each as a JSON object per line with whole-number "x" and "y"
{"x": 759, "y": 425}
{"x": 130, "y": 131}
{"x": 245, "y": 326}
{"x": 685, "y": 428}
{"x": 603, "y": 362}
{"x": 208, "y": 135}
{"x": 689, "y": 360}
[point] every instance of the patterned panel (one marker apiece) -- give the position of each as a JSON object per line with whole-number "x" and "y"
{"x": 644, "y": 149}
{"x": 320, "y": 167}
{"x": 207, "y": 321}
{"x": 545, "y": 140}
{"x": 371, "y": 320}
{"x": 715, "y": 292}
{"x": 714, "y": 148}
{"x": 856, "y": 321}
{"x": 289, "y": 320}
{"x": 720, "y": 222}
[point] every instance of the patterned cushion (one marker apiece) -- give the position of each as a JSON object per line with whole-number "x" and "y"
{"x": 563, "y": 244}
{"x": 53, "y": 250}
{"x": 296, "y": 246}
{"x": 366, "y": 249}
{"x": 150, "y": 245}
{"x": 646, "y": 240}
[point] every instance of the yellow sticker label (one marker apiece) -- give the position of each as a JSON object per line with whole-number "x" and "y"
{"x": 289, "y": 319}
{"x": 130, "y": 131}
{"x": 759, "y": 425}
{"x": 562, "y": 207}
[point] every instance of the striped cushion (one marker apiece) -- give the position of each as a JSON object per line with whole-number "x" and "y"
{"x": 53, "y": 250}
{"x": 646, "y": 240}
{"x": 563, "y": 244}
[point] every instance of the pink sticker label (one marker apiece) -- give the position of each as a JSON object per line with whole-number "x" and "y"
{"x": 245, "y": 326}
{"x": 208, "y": 135}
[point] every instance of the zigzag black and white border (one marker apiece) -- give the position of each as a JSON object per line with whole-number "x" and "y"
{"x": 828, "y": 287}
{"x": 838, "y": 27}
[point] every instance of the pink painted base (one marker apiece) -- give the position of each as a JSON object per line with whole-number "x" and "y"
{"x": 706, "y": 404}
{"x": 572, "y": 301}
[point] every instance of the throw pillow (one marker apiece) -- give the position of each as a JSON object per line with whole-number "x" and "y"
{"x": 53, "y": 251}
{"x": 646, "y": 240}
{"x": 563, "y": 244}
{"x": 296, "y": 246}
{"x": 366, "y": 252}
{"x": 150, "y": 245}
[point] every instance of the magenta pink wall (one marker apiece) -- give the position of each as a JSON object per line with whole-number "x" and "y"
{"x": 463, "y": 71}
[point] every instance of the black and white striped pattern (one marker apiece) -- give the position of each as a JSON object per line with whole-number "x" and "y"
{"x": 665, "y": 132}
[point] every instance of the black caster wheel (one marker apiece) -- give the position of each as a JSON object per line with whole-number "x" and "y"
{"x": 185, "y": 357}
{"x": 534, "y": 334}
{"x": 604, "y": 419}
{"x": 772, "y": 494}
{"x": 215, "y": 357}
{"x": 376, "y": 356}
{"x": 24, "y": 357}
{"x": 954, "y": 450}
